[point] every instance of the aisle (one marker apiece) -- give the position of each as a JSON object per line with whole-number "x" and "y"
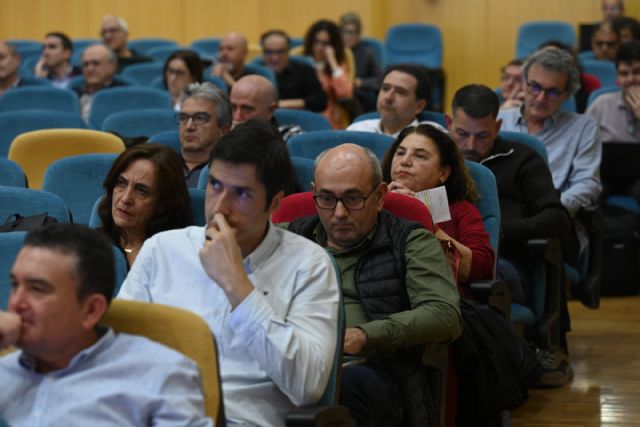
{"x": 605, "y": 353}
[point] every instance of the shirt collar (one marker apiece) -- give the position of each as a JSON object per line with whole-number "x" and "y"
{"x": 320, "y": 237}
{"x": 379, "y": 129}
{"x": 264, "y": 250}
{"x": 549, "y": 121}
{"x": 105, "y": 338}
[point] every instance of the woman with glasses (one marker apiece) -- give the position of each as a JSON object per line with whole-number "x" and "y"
{"x": 323, "y": 43}
{"x": 423, "y": 158}
{"x": 181, "y": 69}
{"x": 145, "y": 193}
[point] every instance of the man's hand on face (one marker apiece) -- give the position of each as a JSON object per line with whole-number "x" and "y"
{"x": 632, "y": 97}
{"x": 515, "y": 98}
{"x": 221, "y": 259}
{"x": 10, "y": 324}
{"x": 355, "y": 340}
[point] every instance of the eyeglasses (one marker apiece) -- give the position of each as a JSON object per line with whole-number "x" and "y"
{"x": 199, "y": 119}
{"x": 274, "y": 52}
{"x": 106, "y": 31}
{"x": 550, "y": 93}
{"x": 351, "y": 202}
{"x": 176, "y": 72}
{"x": 94, "y": 63}
{"x": 603, "y": 43}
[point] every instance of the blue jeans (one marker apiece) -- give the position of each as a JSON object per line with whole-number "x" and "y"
{"x": 372, "y": 396}
{"x": 514, "y": 279}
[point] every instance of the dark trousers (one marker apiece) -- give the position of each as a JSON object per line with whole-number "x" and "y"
{"x": 372, "y": 396}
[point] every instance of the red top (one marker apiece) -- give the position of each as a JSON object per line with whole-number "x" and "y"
{"x": 466, "y": 226}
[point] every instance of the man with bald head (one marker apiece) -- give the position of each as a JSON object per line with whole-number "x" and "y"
{"x": 398, "y": 290}
{"x": 99, "y": 65}
{"x": 232, "y": 53}
{"x": 115, "y": 34}
{"x": 254, "y": 97}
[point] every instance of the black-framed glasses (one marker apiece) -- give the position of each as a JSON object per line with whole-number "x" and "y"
{"x": 550, "y": 93}
{"x": 274, "y": 52}
{"x": 602, "y": 43}
{"x": 352, "y": 202}
{"x": 199, "y": 118}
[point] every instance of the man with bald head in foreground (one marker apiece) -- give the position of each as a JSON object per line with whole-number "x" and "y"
{"x": 399, "y": 293}
{"x": 254, "y": 97}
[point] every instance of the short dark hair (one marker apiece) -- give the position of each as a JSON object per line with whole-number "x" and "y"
{"x": 191, "y": 61}
{"x": 174, "y": 209}
{"x": 95, "y": 265}
{"x": 66, "y": 41}
{"x": 477, "y": 101}
{"x": 623, "y": 22}
{"x": 255, "y": 142}
{"x": 280, "y": 33}
{"x": 420, "y": 73}
{"x": 335, "y": 39}
{"x": 459, "y": 185}
{"x": 628, "y": 52}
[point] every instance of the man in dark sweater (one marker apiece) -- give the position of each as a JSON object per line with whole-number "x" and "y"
{"x": 530, "y": 206}
{"x": 298, "y": 84}
{"x": 398, "y": 289}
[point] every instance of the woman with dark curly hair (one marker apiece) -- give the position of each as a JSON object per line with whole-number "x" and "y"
{"x": 145, "y": 193}
{"x": 424, "y": 157}
{"x": 181, "y": 69}
{"x": 323, "y": 43}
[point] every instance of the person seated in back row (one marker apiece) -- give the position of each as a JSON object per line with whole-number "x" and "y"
{"x": 55, "y": 62}
{"x": 404, "y": 94}
{"x": 115, "y": 35}
{"x": 72, "y": 371}
{"x": 398, "y": 289}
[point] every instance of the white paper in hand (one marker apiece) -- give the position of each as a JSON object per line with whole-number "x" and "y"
{"x": 437, "y": 202}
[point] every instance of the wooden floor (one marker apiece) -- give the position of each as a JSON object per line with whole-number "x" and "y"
{"x": 605, "y": 355}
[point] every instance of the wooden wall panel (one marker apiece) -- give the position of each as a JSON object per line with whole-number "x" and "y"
{"x": 479, "y": 35}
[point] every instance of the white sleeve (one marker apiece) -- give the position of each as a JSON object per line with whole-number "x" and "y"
{"x": 136, "y": 285}
{"x": 297, "y": 351}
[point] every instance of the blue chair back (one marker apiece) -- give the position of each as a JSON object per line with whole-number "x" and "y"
{"x": 143, "y": 122}
{"x": 27, "y": 67}
{"x": 77, "y": 83}
{"x": 160, "y": 54}
{"x": 26, "y": 202}
{"x": 10, "y": 244}
{"x": 601, "y": 91}
{"x": 304, "y": 172}
{"x": 307, "y": 120}
{"x": 207, "y": 46}
{"x": 14, "y": 123}
{"x": 11, "y": 174}
{"x": 605, "y": 71}
{"x": 203, "y": 178}
{"x": 196, "y": 198}
{"x": 29, "y": 52}
{"x": 144, "y": 45}
{"x": 377, "y": 47}
{"x": 40, "y": 98}
{"x": 524, "y": 138}
{"x": 489, "y": 203}
{"x": 170, "y": 138}
{"x": 309, "y": 145}
{"x": 79, "y": 45}
{"x": 144, "y": 73}
{"x": 21, "y": 44}
{"x": 78, "y": 181}
{"x": 106, "y": 102}
{"x": 432, "y": 116}
{"x": 414, "y": 43}
{"x": 587, "y": 55}
{"x": 533, "y": 34}
{"x": 262, "y": 71}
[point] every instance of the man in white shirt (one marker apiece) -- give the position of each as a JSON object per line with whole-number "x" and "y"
{"x": 404, "y": 94}
{"x": 269, "y": 296}
{"x": 70, "y": 370}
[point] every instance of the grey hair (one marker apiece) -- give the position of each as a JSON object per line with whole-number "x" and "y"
{"x": 210, "y": 92}
{"x": 376, "y": 174}
{"x": 559, "y": 61}
{"x": 111, "y": 55}
{"x": 121, "y": 22}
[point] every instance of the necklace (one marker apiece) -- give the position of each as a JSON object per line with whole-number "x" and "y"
{"x": 132, "y": 249}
